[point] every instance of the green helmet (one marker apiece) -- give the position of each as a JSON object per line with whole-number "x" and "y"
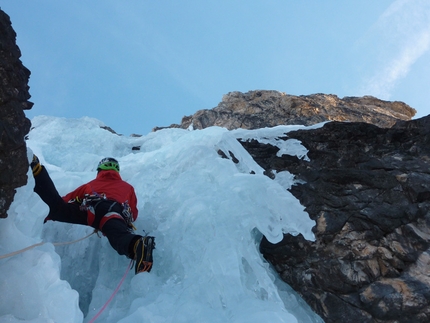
{"x": 107, "y": 164}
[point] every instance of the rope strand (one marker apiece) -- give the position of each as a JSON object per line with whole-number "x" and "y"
{"x": 41, "y": 243}
{"x": 21, "y": 251}
{"x": 71, "y": 242}
{"x": 113, "y": 294}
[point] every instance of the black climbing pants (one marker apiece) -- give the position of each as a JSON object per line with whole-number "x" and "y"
{"x": 116, "y": 230}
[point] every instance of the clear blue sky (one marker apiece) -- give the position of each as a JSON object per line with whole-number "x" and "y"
{"x": 138, "y": 64}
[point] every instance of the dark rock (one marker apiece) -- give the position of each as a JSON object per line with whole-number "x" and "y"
{"x": 368, "y": 190}
{"x": 14, "y": 126}
{"x": 259, "y": 109}
{"x": 109, "y": 129}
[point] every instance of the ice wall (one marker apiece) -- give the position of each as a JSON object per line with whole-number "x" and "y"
{"x": 207, "y": 214}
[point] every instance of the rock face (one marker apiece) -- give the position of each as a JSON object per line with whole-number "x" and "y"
{"x": 368, "y": 189}
{"x": 259, "y": 109}
{"x": 14, "y": 125}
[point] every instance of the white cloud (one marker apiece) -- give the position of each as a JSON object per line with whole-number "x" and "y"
{"x": 402, "y": 36}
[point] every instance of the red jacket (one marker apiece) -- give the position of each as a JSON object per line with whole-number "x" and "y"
{"x": 110, "y": 183}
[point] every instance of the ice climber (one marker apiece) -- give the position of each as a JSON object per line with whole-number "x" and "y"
{"x": 106, "y": 203}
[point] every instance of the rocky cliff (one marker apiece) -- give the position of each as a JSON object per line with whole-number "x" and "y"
{"x": 368, "y": 189}
{"x": 14, "y": 125}
{"x": 259, "y": 109}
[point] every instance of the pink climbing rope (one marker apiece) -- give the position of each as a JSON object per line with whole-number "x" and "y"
{"x": 113, "y": 294}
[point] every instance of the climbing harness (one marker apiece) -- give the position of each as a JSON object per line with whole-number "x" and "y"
{"x": 90, "y": 202}
{"x": 128, "y": 215}
{"x": 113, "y": 294}
{"x": 43, "y": 242}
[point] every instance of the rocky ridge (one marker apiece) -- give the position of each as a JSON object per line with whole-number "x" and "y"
{"x": 259, "y": 109}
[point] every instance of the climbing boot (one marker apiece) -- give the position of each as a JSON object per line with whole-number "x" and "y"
{"x": 143, "y": 254}
{"x": 35, "y": 166}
